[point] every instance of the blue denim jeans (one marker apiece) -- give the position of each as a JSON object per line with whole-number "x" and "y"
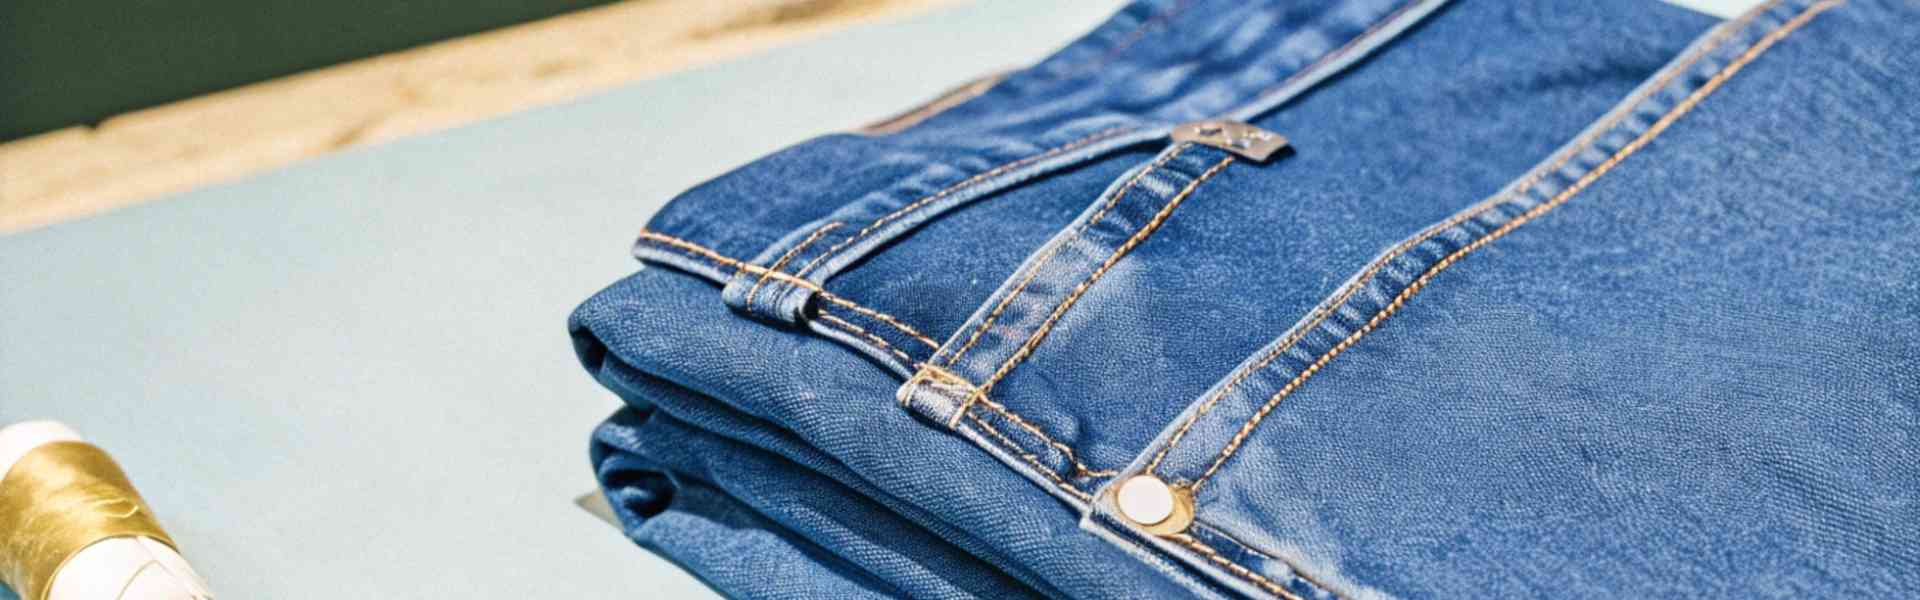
{"x": 1563, "y": 299}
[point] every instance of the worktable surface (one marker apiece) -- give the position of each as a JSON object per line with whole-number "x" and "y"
{"x": 351, "y": 377}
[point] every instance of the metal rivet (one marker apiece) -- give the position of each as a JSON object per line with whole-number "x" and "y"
{"x": 1154, "y": 505}
{"x": 1145, "y": 499}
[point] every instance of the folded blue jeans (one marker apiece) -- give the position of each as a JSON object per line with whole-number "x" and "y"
{"x": 1539, "y": 299}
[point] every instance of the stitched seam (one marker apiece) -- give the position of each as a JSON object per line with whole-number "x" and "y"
{"x": 1007, "y": 300}
{"x": 951, "y": 379}
{"x": 1080, "y": 469}
{"x": 1673, "y": 114}
{"x": 1224, "y": 536}
{"x": 1653, "y": 131}
{"x": 1140, "y": 32}
{"x": 969, "y": 182}
{"x": 1321, "y": 313}
{"x": 880, "y": 316}
{"x": 1030, "y": 459}
{"x": 1338, "y": 52}
{"x": 787, "y": 256}
{"x": 1303, "y": 71}
{"x": 948, "y": 378}
{"x": 1133, "y": 36}
{"x": 1026, "y": 349}
{"x": 1244, "y": 573}
{"x": 843, "y": 324}
{"x": 856, "y": 330}
{"x": 700, "y": 251}
{"x": 924, "y": 375}
{"x": 974, "y": 338}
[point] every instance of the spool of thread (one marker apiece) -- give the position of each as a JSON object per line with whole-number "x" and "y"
{"x": 73, "y": 528}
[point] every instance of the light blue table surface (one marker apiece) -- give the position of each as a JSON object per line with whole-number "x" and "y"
{"x": 350, "y": 377}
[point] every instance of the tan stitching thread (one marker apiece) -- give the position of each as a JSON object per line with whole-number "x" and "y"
{"x": 955, "y": 380}
{"x": 880, "y": 316}
{"x": 1244, "y": 573}
{"x": 904, "y": 394}
{"x": 1079, "y": 468}
{"x": 933, "y": 371}
{"x": 1342, "y": 50}
{"x": 1031, "y": 460}
{"x": 1217, "y": 533}
{"x": 709, "y": 254}
{"x": 928, "y": 375}
{"x": 949, "y": 376}
{"x": 1140, "y": 31}
{"x": 1133, "y": 36}
{"x": 1086, "y": 472}
{"x": 1026, "y": 349}
{"x": 969, "y": 182}
{"x": 856, "y": 330}
{"x": 1325, "y": 310}
{"x": 927, "y": 371}
{"x": 1578, "y": 185}
{"x": 1005, "y": 301}
{"x": 787, "y": 256}
{"x": 1048, "y": 255}
{"x": 1795, "y": 23}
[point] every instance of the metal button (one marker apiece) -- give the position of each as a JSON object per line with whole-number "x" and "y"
{"x": 1154, "y": 505}
{"x": 1145, "y": 499}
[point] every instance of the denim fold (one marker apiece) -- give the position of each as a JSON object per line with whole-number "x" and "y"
{"x": 1542, "y": 299}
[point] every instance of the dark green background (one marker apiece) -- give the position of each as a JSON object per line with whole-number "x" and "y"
{"x": 67, "y": 62}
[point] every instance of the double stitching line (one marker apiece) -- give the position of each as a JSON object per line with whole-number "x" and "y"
{"x": 1026, "y": 349}
{"x": 788, "y": 256}
{"x": 1055, "y": 249}
{"x": 1660, "y": 126}
{"x": 1030, "y": 459}
{"x": 1133, "y": 36}
{"x": 857, "y": 330}
{"x": 969, "y": 182}
{"x": 739, "y": 265}
{"x": 1326, "y": 310}
{"x": 1342, "y": 50}
{"x": 926, "y": 373}
{"x": 1250, "y": 575}
{"x": 1315, "y": 66}
{"x": 1080, "y": 469}
{"x": 979, "y": 393}
{"x": 707, "y": 253}
{"x": 1007, "y": 300}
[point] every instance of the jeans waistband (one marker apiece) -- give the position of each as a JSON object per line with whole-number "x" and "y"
{"x": 1126, "y": 83}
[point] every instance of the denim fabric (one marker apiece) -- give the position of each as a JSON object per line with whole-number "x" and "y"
{"x": 1546, "y": 299}
{"x": 783, "y": 478}
{"x": 666, "y": 324}
{"x": 859, "y": 535}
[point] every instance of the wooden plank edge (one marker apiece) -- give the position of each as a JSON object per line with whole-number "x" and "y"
{"x": 146, "y": 154}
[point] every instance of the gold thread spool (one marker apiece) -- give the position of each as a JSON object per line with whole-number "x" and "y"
{"x": 58, "y": 499}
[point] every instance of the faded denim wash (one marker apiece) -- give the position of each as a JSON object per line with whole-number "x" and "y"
{"x": 1546, "y": 299}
